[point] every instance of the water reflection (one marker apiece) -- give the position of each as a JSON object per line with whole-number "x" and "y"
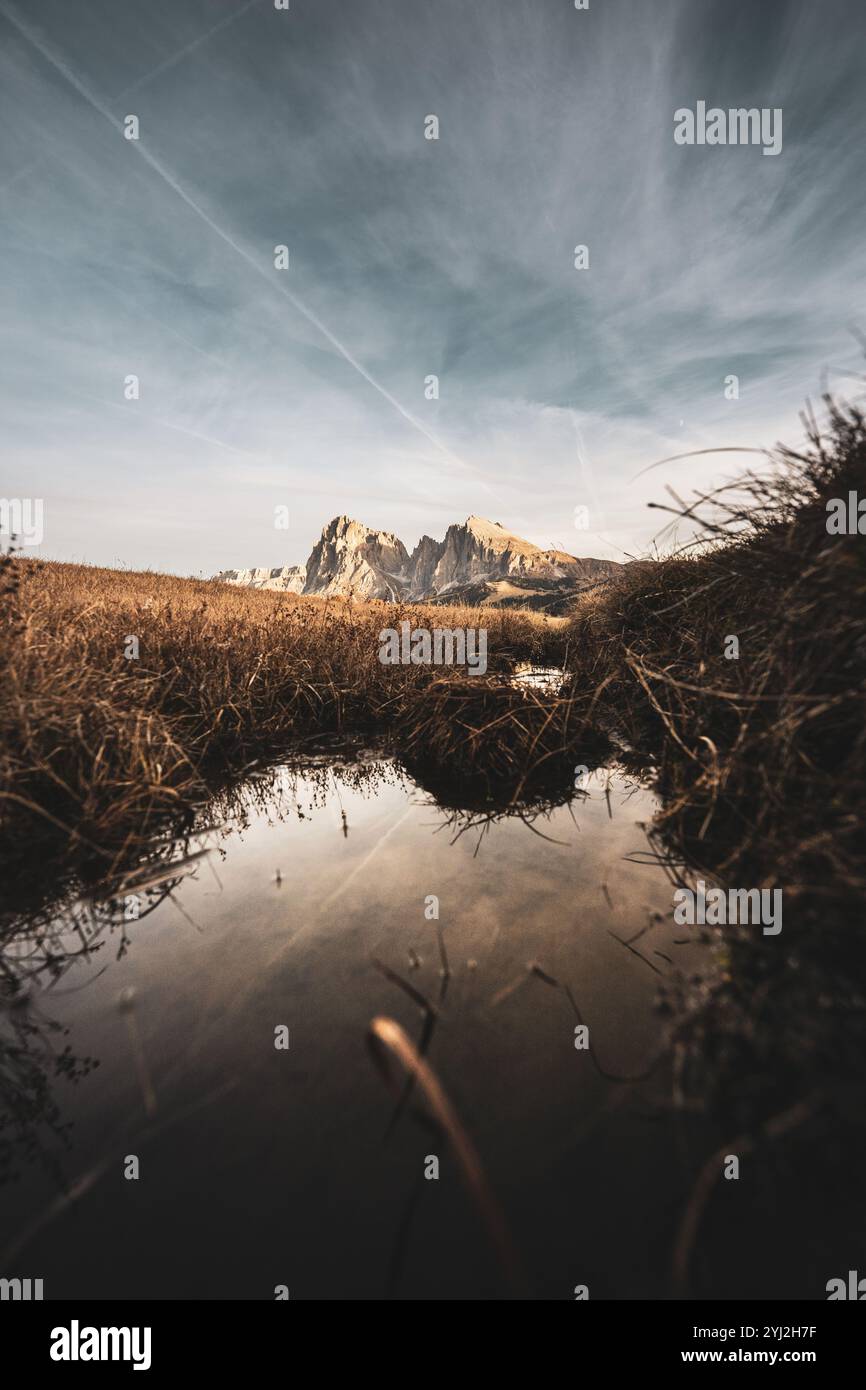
{"x": 488, "y": 924}
{"x": 318, "y": 897}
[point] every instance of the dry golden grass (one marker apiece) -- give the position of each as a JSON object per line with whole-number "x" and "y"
{"x": 762, "y": 757}
{"x": 760, "y": 762}
{"x": 96, "y": 749}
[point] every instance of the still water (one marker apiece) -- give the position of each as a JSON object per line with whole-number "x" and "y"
{"x": 262, "y": 1166}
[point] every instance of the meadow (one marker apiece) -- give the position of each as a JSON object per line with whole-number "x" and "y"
{"x": 126, "y": 698}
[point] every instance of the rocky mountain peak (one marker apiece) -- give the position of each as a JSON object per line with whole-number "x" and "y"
{"x": 476, "y": 555}
{"x": 351, "y": 558}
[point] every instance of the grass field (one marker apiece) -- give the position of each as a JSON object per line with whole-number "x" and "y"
{"x": 98, "y": 746}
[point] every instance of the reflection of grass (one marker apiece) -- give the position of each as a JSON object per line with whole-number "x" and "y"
{"x": 33, "y": 1056}
{"x": 479, "y": 745}
{"x": 61, "y": 917}
{"x": 57, "y": 930}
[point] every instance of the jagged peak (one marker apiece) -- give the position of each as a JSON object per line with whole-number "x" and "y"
{"x": 480, "y": 526}
{"x": 344, "y": 525}
{"x": 339, "y": 525}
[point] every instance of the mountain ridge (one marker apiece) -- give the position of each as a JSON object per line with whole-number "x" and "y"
{"x": 477, "y": 555}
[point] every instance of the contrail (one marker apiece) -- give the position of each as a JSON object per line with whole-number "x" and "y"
{"x": 147, "y": 76}
{"x": 359, "y": 868}
{"x": 140, "y": 415}
{"x": 174, "y": 184}
{"x": 176, "y": 57}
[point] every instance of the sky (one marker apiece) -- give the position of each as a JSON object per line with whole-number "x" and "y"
{"x": 304, "y": 388}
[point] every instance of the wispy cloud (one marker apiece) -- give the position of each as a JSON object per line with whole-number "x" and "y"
{"x": 410, "y": 258}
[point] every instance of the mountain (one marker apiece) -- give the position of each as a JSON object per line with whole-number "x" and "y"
{"x": 482, "y": 549}
{"x": 478, "y": 561}
{"x": 350, "y": 558}
{"x": 290, "y": 578}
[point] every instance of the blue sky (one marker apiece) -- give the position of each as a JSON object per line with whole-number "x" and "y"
{"x": 305, "y": 388}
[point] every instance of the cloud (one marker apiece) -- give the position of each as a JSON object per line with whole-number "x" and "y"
{"x": 410, "y": 257}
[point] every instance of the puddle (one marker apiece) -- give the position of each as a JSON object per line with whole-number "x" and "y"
{"x": 260, "y": 1166}
{"x": 546, "y": 678}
